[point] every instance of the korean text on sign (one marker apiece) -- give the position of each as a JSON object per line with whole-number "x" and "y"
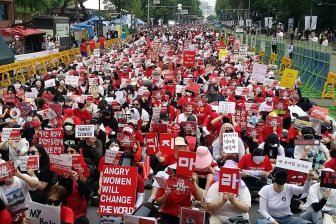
{"x": 293, "y": 164}
{"x": 229, "y": 180}
{"x": 230, "y": 142}
{"x": 84, "y": 131}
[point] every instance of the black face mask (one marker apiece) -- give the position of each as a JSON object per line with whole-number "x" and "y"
{"x": 106, "y": 114}
{"x": 280, "y": 181}
{"x": 2, "y": 183}
{"x": 80, "y": 105}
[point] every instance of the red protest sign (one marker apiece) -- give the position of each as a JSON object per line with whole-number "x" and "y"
{"x": 24, "y": 108}
{"x": 159, "y": 94}
{"x": 9, "y": 98}
{"x": 194, "y": 87}
{"x": 151, "y": 143}
{"x": 126, "y": 140}
{"x": 285, "y": 93}
{"x": 328, "y": 179}
{"x": 189, "y": 58}
{"x": 228, "y": 180}
{"x": 274, "y": 121}
{"x": 76, "y": 162}
{"x": 57, "y": 108}
{"x": 7, "y": 170}
{"x": 52, "y": 140}
{"x": 188, "y": 215}
{"x": 280, "y": 106}
{"x": 319, "y": 112}
{"x": 253, "y": 132}
{"x": 60, "y": 164}
{"x": 228, "y": 91}
{"x": 47, "y": 97}
{"x": 188, "y": 107}
{"x": 185, "y": 163}
{"x": 241, "y": 117}
{"x": 118, "y": 190}
{"x": 29, "y": 162}
{"x": 180, "y": 184}
{"x": 123, "y": 120}
{"x": 167, "y": 143}
{"x": 189, "y": 127}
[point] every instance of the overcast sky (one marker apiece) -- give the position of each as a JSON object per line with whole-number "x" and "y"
{"x": 211, "y": 2}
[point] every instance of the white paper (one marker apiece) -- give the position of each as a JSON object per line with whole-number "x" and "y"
{"x": 72, "y": 80}
{"x": 259, "y": 72}
{"x": 230, "y": 142}
{"x": 293, "y": 164}
{"x": 39, "y": 213}
{"x": 84, "y": 131}
{"x": 49, "y": 83}
{"x": 225, "y": 106}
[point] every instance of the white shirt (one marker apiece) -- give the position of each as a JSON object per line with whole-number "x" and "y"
{"x": 264, "y": 107}
{"x": 316, "y": 194}
{"x": 298, "y": 110}
{"x": 15, "y": 196}
{"x": 325, "y": 42}
{"x": 281, "y": 150}
{"x": 314, "y": 39}
{"x": 228, "y": 210}
{"x": 276, "y": 204}
{"x": 314, "y": 150}
{"x": 182, "y": 117}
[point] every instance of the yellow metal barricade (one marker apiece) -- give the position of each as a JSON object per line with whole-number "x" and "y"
{"x": 331, "y": 80}
{"x": 262, "y": 56}
{"x": 273, "y": 59}
{"x": 285, "y": 63}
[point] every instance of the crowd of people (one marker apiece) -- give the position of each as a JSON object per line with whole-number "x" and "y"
{"x": 147, "y": 79}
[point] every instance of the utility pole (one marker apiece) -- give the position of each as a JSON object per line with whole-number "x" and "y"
{"x": 148, "y": 13}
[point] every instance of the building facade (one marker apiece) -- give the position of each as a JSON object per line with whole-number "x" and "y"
{"x": 6, "y": 13}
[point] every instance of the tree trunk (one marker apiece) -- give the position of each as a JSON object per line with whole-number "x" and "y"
{"x": 65, "y": 4}
{"x": 85, "y": 13}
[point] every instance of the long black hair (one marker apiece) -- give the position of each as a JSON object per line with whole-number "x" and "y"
{"x": 272, "y": 139}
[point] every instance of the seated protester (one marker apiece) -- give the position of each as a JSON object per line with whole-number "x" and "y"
{"x": 275, "y": 200}
{"x": 317, "y": 123}
{"x": 184, "y": 116}
{"x": 255, "y": 167}
{"x": 57, "y": 196}
{"x": 78, "y": 195}
{"x": 138, "y": 134}
{"x": 332, "y": 162}
{"x": 318, "y": 154}
{"x": 223, "y": 206}
{"x": 169, "y": 159}
{"x": 272, "y": 147}
{"x": 213, "y": 94}
{"x": 205, "y": 167}
{"x": 267, "y": 106}
{"x": 14, "y": 192}
{"x": 251, "y": 142}
{"x": 101, "y": 135}
{"x": 92, "y": 150}
{"x": 46, "y": 177}
{"x": 217, "y": 145}
{"x": 91, "y": 107}
{"x": 82, "y": 113}
{"x": 107, "y": 119}
{"x": 83, "y": 170}
{"x": 31, "y": 133}
{"x": 69, "y": 133}
{"x": 144, "y": 116}
{"x": 209, "y": 127}
{"x": 125, "y": 160}
{"x": 69, "y": 113}
{"x": 172, "y": 198}
{"x": 320, "y": 201}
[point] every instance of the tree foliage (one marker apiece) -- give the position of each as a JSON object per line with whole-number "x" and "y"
{"x": 282, "y": 10}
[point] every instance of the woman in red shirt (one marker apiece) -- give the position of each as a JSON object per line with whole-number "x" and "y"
{"x": 57, "y": 196}
{"x": 83, "y": 48}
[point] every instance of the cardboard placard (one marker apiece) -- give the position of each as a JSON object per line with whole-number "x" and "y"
{"x": 189, "y": 127}
{"x": 191, "y": 216}
{"x": 47, "y": 96}
{"x": 47, "y": 114}
{"x": 159, "y": 127}
{"x": 131, "y": 219}
{"x": 228, "y": 91}
{"x": 285, "y": 93}
{"x": 258, "y": 72}
{"x": 29, "y": 162}
{"x": 161, "y": 181}
{"x": 10, "y": 134}
{"x": 189, "y": 58}
{"x": 60, "y": 164}
{"x": 228, "y": 107}
{"x": 123, "y": 120}
{"x": 293, "y": 164}
{"x": 30, "y": 96}
{"x": 306, "y": 142}
{"x": 40, "y": 213}
{"x": 181, "y": 184}
{"x": 84, "y": 131}
{"x": 241, "y": 117}
{"x": 57, "y": 108}
{"x": 52, "y": 140}
{"x": 72, "y": 80}
{"x": 151, "y": 143}
{"x": 288, "y": 78}
{"x": 319, "y": 112}
{"x": 229, "y": 180}
{"x": 274, "y": 121}
{"x": 167, "y": 143}
{"x": 185, "y": 163}
{"x": 188, "y": 107}
{"x": 7, "y": 170}
{"x": 194, "y": 87}
{"x": 328, "y": 180}
{"x": 118, "y": 190}
{"x": 230, "y": 142}
{"x": 253, "y": 132}
{"x": 126, "y": 140}
{"x": 49, "y": 83}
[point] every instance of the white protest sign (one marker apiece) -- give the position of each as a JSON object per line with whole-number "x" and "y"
{"x": 161, "y": 182}
{"x": 225, "y": 106}
{"x": 30, "y": 95}
{"x": 72, "y": 80}
{"x": 49, "y": 83}
{"x": 47, "y": 114}
{"x": 258, "y": 72}
{"x": 230, "y": 142}
{"x": 39, "y": 213}
{"x": 110, "y": 155}
{"x": 293, "y": 164}
{"x": 6, "y": 133}
{"x": 31, "y": 162}
{"x": 131, "y": 219}
{"x": 84, "y": 131}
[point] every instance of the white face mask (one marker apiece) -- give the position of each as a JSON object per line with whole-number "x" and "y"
{"x": 269, "y": 99}
{"x": 258, "y": 159}
{"x": 188, "y": 93}
{"x": 68, "y": 127}
{"x": 114, "y": 148}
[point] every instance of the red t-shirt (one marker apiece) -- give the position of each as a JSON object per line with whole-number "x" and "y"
{"x": 67, "y": 215}
{"x": 331, "y": 164}
{"x": 175, "y": 201}
{"x": 92, "y": 45}
{"x": 82, "y": 115}
{"x": 204, "y": 172}
{"x": 101, "y": 41}
{"x": 77, "y": 203}
{"x": 5, "y": 216}
{"x": 169, "y": 160}
{"x": 82, "y": 47}
{"x": 247, "y": 163}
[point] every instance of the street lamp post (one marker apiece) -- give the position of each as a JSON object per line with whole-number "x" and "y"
{"x": 179, "y": 8}
{"x": 148, "y": 13}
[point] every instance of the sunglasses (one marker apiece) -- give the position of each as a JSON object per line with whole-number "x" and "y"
{"x": 228, "y": 131}
{"x": 31, "y": 153}
{"x": 136, "y": 104}
{"x": 53, "y": 202}
{"x": 72, "y": 151}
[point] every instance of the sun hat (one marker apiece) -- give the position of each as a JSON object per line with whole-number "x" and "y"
{"x": 203, "y": 157}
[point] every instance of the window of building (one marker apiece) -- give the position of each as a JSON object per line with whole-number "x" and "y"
{"x": 3, "y": 11}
